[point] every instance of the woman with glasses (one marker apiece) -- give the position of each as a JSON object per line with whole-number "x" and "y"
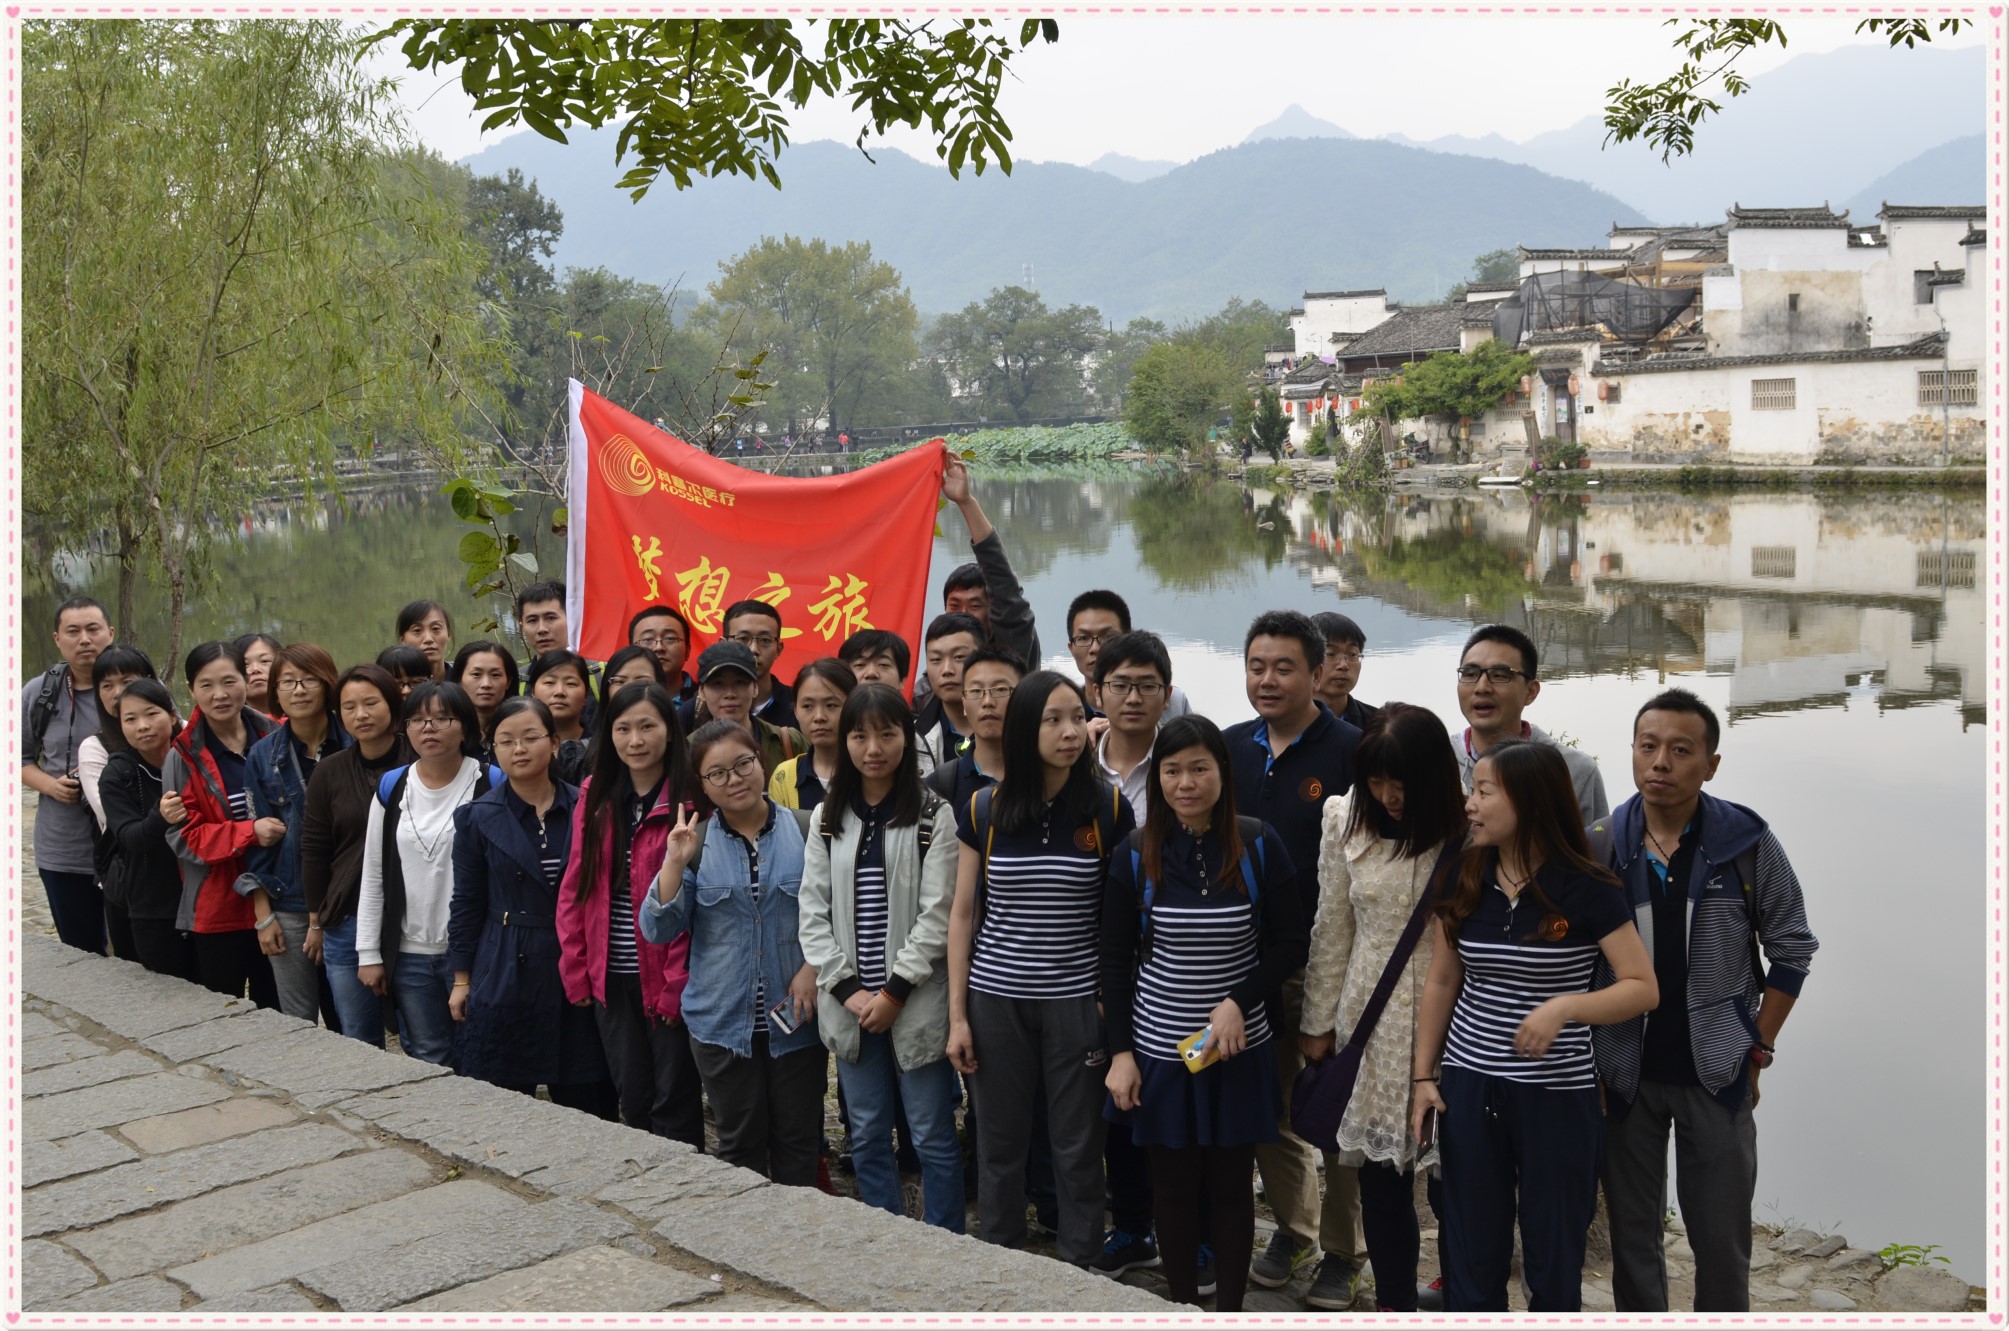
{"x": 562, "y": 681}
{"x": 731, "y": 880}
{"x": 633, "y": 987}
{"x": 510, "y": 850}
{"x": 334, "y": 830}
{"x": 488, "y": 673}
{"x": 820, "y": 691}
{"x": 277, "y": 771}
{"x": 407, "y": 887}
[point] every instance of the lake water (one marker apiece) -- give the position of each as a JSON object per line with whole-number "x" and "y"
{"x": 1841, "y": 637}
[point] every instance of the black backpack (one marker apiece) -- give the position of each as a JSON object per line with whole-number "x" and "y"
{"x": 43, "y": 710}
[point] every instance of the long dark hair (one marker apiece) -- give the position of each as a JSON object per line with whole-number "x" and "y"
{"x": 610, "y": 785}
{"x": 703, "y": 740}
{"x": 1548, "y": 829}
{"x": 619, "y": 662}
{"x": 1018, "y": 802}
{"x": 1408, "y": 744}
{"x": 866, "y": 704}
{"x": 1179, "y": 734}
{"x": 832, "y": 672}
{"x": 152, "y": 690}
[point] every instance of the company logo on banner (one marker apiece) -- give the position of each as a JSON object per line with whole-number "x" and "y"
{"x": 654, "y": 521}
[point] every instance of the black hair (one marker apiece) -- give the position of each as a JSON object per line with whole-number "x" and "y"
{"x": 417, "y": 611}
{"x": 540, "y": 591}
{"x": 878, "y": 642}
{"x": 749, "y": 607}
{"x": 868, "y": 703}
{"x": 1410, "y": 745}
{"x": 609, "y": 785}
{"x": 1001, "y": 655}
{"x": 458, "y": 666}
{"x": 522, "y": 702}
{"x": 204, "y": 654}
{"x": 962, "y": 578}
{"x": 1099, "y": 599}
{"x": 1508, "y": 634}
{"x": 113, "y": 736}
{"x": 244, "y": 642}
{"x": 1288, "y": 624}
{"x": 377, "y": 678}
{"x": 79, "y": 603}
{"x": 121, "y": 659}
{"x": 1019, "y": 802}
{"x": 1142, "y": 648}
{"x": 941, "y": 626}
{"x": 702, "y": 741}
{"x": 453, "y": 700}
{"x": 404, "y": 659}
{"x": 620, "y": 661}
{"x": 1548, "y": 830}
{"x": 832, "y": 672}
{"x": 1337, "y": 629}
{"x": 558, "y": 658}
{"x": 651, "y": 611}
{"x": 1667, "y": 700}
{"x": 1182, "y": 733}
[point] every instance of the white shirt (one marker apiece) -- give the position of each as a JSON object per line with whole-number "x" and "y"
{"x": 91, "y": 760}
{"x": 1132, "y": 785}
{"x": 425, "y": 855}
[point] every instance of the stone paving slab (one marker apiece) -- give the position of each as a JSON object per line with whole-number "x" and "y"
{"x": 249, "y": 1212}
{"x": 204, "y": 1124}
{"x": 319, "y": 1068}
{"x": 128, "y": 1000}
{"x": 73, "y": 1112}
{"x": 34, "y": 1025}
{"x": 184, "y": 1043}
{"x": 588, "y": 1280}
{"x": 146, "y": 1294}
{"x": 48, "y": 1273}
{"x": 49, "y": 1050}
{"x": 92, "y": 1199}
{"x": 844, "y": 1255}
{"x": 473, "y": 1249}
{"x": 272, "y": 1299}
{"x": 653, "y": 1194}
{"x": 358, "y": 1233}
{"x": 83, "y": 1072}
{"x": 80, "y": 1154}
{"x": 543, "y": 1144}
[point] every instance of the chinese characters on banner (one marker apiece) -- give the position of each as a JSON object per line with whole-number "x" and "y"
{"x": 653, "y": 521}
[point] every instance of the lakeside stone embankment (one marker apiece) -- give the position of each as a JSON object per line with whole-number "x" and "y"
{"x": 1321, "y": 473}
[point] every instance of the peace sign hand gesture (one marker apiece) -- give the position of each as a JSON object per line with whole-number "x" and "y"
{"x": 678, "y": 850}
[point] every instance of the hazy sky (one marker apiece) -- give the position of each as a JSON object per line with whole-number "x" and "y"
{"x": 1177, "y": 88}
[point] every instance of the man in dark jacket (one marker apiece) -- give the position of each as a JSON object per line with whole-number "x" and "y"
{"x": 987, "y": 590}
{"x": 1709, "y": 887}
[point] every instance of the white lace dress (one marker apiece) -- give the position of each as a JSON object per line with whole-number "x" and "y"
{"x": 1365, "y": 897}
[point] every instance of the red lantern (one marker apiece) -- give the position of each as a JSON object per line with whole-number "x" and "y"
{"x": 1575, "y": 385}
{"x": 1527, "y": 383}
{"x": 1603, "y": 390}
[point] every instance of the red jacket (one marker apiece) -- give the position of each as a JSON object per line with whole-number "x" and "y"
{"x": 583, "y": 925}
{"x": 209, "y": 843}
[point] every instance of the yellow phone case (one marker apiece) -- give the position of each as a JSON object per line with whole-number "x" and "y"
{"x": 1198, "y": 1050}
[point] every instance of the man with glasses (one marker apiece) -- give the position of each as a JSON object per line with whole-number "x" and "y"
{"x": 1094, "y": 618}
{"x": 59, "y": 711}
{"x": 1496, "y": 682}
{"x": 756, "y": 626}
{"x": 989, "y": 676}
{"x": 1133, "y": 676}
{"x": 726, "y": 674}
{"x": 667, "y": 634}
{"x": 1344, "y": 645}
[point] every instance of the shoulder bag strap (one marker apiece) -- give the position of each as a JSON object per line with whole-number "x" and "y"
{"x": 1405, "y": 947}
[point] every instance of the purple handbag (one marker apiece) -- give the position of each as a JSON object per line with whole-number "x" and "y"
{"x": 1319, "y": 1096}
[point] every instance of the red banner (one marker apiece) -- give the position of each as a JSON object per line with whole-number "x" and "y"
{"x": 654, "y": 521}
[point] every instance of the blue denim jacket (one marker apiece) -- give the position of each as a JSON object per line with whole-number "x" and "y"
{"x": 731, "y": 940}
{"x": 273, "y": 781}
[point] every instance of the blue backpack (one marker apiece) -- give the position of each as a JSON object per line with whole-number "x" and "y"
{"x": 1252, "y": 835}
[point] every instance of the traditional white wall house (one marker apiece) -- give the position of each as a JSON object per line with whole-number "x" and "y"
{"x": 1825, "y": 341}
{"x": 1331, "y": 319}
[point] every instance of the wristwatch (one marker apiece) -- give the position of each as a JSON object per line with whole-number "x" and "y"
{"x": 1761, "y": 1055}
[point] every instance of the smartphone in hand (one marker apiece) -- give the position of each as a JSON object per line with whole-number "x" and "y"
{"x": 782, "y": 1017}
{"x": 1429, "y": 1138}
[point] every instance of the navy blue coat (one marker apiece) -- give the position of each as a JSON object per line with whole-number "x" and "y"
{"x": 519, "y": 1029}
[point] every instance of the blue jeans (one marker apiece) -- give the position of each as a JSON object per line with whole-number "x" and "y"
{"x": 929, "y": 1093}
{"x": 420, "y": 986}
{"x": 360, "y": 1012}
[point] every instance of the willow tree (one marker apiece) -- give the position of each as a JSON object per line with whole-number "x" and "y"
{"x": 232, "y": 269}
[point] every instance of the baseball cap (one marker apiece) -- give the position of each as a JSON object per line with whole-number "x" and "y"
{"x": 726, "y": 655}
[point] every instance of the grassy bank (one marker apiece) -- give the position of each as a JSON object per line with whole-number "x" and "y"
{"x": 1039, "y": 443}
{"x": 1763, "y": 478}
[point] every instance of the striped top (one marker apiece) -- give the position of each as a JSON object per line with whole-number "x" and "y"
{"x": 623, "y": 958}
{"x": 1200, "y": 949}
{"x": 1517, "y": 955}
{"x": 1042, "y": 907}
{"x": 869, "y": 906}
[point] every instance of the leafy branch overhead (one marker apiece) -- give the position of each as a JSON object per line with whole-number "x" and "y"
{"x": 709, "y": 97}
{"x": 1666, "y": 114}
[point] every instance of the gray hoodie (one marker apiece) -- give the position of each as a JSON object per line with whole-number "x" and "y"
{"x": 1584, "y": 775}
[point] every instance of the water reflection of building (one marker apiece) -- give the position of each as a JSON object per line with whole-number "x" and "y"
{"x": 1804, "y": 600}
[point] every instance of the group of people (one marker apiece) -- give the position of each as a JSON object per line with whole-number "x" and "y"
{"x": 1063, "y": 907}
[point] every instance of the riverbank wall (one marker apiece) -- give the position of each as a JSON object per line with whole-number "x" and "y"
{"x": 1322, "y": 474}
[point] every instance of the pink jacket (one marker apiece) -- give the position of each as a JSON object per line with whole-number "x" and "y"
{"x": 583, "y": 925}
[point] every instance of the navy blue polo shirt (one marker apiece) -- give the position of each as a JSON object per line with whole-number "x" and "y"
{"x": 957, "y": 781}
{"x": 1289, "y": 791}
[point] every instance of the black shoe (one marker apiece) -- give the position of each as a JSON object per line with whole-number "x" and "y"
{"x": 1207, "y": 1283}
{"x": 1123, "y": 1251}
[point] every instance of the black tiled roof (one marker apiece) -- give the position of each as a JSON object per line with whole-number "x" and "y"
{"x": 1479, "y": 314}
{"x": 1609, "y": 255}
{"x": 1555, "y": 336}
{"x": 1928, "y": 347}
{"x": 1788, "y": 218}
{"x": 1344, "y": 295}
{"x": 1514, "y": 285}
{"x": 1866, "y": 240}
{"x": 1410, "y": 329}
{"x": 1559, "y": 356}
{"x": 1312, "y": 371}
{"x": 1971, "y": 212}
{"x": 1951, "y": 277}
{"x": 1975, "y": 236}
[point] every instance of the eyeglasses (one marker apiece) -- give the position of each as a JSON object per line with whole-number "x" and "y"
{"x": 520, "y": 742}
{"x": 655, "y": 640}
{"x": 430, "y": 723}
{"x": 746, "y": 766}
{"x": 299, "y": 685}
{"x": 1498, "y": 675}
{"x": 1001, "y": 692}
{"x": 759, "y": 642}
{"x": 1146, "y": 689}
{"x": 1091, "y": 639}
